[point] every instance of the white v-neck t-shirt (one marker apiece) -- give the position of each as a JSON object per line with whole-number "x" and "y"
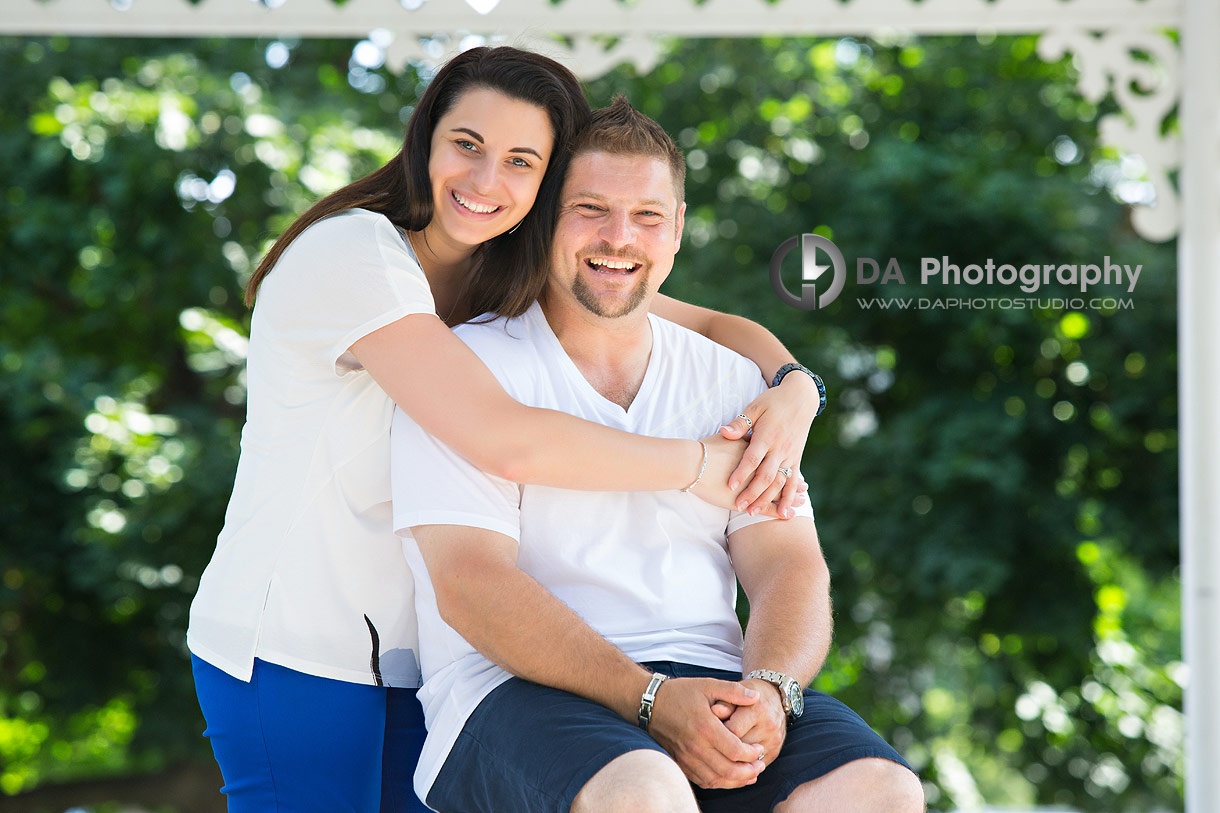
{"x": 307, "y": 571}
{"x": 650, "y": 571}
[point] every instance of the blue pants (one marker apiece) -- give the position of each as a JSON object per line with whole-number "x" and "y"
{"x": 291, "y": 742}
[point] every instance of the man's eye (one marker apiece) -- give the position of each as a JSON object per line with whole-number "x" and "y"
{"x": 588, "y": 207}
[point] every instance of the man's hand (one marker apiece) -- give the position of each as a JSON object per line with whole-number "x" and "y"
{"x": 707, "y": 752}
{"x": 763, "y": 723}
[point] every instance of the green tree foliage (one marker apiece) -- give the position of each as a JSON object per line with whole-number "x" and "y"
{"x": 139, "y": 192}
{"x": 996, "y": 489}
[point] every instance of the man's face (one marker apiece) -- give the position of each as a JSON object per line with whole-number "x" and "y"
{"x": 620, "y": 224}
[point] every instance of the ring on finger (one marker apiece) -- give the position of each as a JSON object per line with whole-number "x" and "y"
{"x": 784, "y": 470}
{"x": 749, "y": 423}
{"x": 762, "y": 756}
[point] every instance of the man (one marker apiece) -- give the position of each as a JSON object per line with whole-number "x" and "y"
{"x": 593, "y": 599}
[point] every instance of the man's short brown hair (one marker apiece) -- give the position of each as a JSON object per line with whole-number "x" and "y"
{"x": 620, "y": 129}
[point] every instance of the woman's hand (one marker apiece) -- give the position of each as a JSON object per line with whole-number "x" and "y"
{"x": 723, "y": 457}
{"x": 781, "y": 418}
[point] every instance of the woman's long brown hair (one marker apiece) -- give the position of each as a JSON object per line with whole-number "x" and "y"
{"x": 509, "y": 271}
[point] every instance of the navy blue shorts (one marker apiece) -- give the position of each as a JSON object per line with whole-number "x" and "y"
{"x": 532, "y": 748}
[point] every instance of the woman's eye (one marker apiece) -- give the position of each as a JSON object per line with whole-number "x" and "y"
{"x": 470, "y": 146}
{"x": 520, "y": 162}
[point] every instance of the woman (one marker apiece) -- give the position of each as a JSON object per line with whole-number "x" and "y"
{"x": 302, "y": 633}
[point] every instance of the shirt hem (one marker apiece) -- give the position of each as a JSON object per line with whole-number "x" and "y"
{"x": 361, "y": 676}
{"x": 212, "y": 658}
{"x": 404, "y": 521}
{"x": 245, "y": 670}
{"x": 425, "y": 779}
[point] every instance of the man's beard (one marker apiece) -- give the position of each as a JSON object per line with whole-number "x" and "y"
{"x": 587, "y": 297}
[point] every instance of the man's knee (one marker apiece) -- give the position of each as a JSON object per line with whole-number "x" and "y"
{"x": 642, "y": 781}
{"x": 861, "y": 786}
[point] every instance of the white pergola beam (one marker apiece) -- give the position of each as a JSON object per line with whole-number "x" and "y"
{"x": 1199, "y": 399}
{"x": 740, "y": 18}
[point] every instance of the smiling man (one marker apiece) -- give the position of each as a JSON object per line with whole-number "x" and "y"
{"x": 581, "y": 650}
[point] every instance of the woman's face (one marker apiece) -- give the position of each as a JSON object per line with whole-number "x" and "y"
{"x": 489, "y": 153}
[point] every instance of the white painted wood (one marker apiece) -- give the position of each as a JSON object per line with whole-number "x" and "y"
{"x": 1105, "y": 61}
{"x": 1199, "y": 400}
{"x": 318, "y": 18}
{"x": 1145, "y": 90}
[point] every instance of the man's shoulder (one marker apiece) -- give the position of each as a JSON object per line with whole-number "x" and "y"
{"x": 506, "y": 345}
{"x": 490, "y": 333}
{"x": 698, "y": 355}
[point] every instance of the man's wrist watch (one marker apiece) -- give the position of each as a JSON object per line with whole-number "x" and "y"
{"x": 791, "y": 695}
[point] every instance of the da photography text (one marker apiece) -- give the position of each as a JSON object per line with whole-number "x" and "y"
{"x": 1010, "y": 285}
{"x": 1029, "y": 277}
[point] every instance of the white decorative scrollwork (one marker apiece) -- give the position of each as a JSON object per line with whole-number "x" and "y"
{"x": 1140, "y": 67}
{"x": 598, "y": 34}
{"x": 587, "y": 56}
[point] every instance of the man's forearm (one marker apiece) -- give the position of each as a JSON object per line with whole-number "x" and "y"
{"x": 781, "y": 567}
{"x": 519, "y": 625}
{"x": 785, "y": 577}
{"x": 790, "y": 623}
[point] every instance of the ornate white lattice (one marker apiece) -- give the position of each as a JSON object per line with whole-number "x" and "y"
{"x": 748, "y": 18}
{"x": 1140, "y": 67}
{"x": 431, "y": 30}
{"x": 588, "y": 56}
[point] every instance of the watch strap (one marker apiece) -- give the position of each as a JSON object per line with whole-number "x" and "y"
{"x": 649, "y": 697}
{"x": 780, "y": 681}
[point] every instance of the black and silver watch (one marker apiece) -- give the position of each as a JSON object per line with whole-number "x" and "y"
{"x": 790, "y": 693}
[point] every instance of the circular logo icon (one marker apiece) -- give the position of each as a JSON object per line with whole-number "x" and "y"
{"x": 809, "y": 298}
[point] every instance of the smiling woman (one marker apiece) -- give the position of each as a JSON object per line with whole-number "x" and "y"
{"x": 489, "y": 155}
{"x": 303, "y": 628}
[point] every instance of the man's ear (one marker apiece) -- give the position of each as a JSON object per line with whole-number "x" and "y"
{"x": 679, "y": 222}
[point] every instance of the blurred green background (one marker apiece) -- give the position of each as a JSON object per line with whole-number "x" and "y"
{"x": 996, "y": 489}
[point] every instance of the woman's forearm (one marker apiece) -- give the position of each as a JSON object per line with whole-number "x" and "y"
{"x": 547, "y": 447}
{"x": 447, "y": 390}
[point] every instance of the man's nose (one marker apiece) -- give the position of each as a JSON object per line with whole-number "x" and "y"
{"x": 617, "y": 230}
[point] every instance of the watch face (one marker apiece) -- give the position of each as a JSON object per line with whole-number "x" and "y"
{"x": 796, "y": 698}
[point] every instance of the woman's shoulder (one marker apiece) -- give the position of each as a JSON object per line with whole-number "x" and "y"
{"x": 355, "y": 256}
{"x": 352, "y": 238}
{"x": 359, "y": 224}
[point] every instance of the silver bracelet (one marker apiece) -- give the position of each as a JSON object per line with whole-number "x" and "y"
{"x": 650, "y": 697}
{"x": 702, "y": 468}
